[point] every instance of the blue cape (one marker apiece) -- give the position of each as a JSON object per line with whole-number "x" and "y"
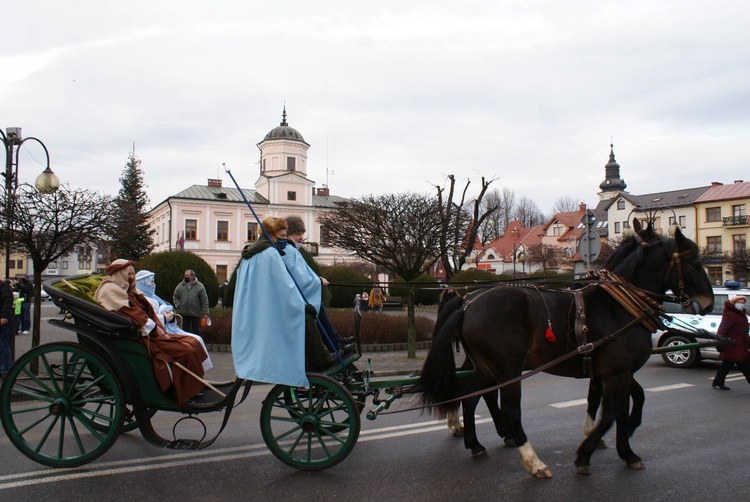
{"x": 307, "y": 280}
{"x": 268, "y": 322}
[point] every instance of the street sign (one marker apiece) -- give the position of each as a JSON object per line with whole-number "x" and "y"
{"x": 589, "y": 246}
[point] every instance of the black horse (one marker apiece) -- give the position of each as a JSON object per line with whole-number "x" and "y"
{"x": 503, "y": 332}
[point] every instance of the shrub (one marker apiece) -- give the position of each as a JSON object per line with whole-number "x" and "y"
{"x": 373, "y": 328}
{"x": 425, "y": 290}
{"x": 381, "y": 328}
{"x": 345, "y": 283}
{"x": 170, "y": 267}
{"x": 220, "y": 330}
{"x": 470, "y": 276}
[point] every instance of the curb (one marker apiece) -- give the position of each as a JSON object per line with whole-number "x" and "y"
{"x": 369, "y": 347}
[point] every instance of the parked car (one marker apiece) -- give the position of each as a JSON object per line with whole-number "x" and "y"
{"x": 45, "y": 296}
{"x": 709, "y": 322}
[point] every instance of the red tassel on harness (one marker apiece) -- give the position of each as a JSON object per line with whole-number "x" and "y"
{"x": 549, "y": 334}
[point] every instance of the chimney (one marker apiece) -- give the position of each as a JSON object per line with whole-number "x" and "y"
{"x": 323, "y": 191}
{"x": 582, "y": 207}
{"x": 738, "y": 181}
{"x": 214, "y": 183}
{"x": 716, "y": 184}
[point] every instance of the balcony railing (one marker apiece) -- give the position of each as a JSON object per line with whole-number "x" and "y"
{"x": 733, "y": 221}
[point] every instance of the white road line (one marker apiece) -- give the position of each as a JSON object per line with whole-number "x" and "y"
{"x": 581, "y": 402}
{"x": 190, "y": 458}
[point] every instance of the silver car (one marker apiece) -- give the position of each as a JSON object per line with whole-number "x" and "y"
{"x": 686, "y": 322}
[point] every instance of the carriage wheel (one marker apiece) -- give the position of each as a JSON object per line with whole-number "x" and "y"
{"x": 61, "y": 405}
{"x": 311, "y": 428}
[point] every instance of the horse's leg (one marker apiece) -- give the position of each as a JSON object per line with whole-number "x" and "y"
{"x": 639, "y": 398}
{"x": 454, "y": 423}
{"x": 616, "y": 400}
{"x": 594, "y": 398}
{"x": 471, "y": 442}
{"x": 491, "y": 399}
{"x": 510, "y": 410}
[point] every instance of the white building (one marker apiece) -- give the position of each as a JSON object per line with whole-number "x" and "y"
{"x": 214, "y": 222}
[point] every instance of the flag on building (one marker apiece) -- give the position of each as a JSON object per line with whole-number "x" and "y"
{"x": 180, "y": 240}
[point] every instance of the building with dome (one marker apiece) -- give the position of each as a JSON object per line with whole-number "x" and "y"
{"x": 213, "y": 221}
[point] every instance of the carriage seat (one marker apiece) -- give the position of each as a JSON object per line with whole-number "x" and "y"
{"x": 75, "y": 295}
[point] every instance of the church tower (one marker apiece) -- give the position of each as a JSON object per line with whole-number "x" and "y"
{"x": 612, "y": 184}
{"x": 283, "y": 166}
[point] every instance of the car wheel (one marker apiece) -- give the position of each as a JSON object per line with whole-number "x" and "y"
{"x": 679, "y": 358}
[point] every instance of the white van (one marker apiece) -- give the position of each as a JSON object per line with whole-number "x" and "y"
{"x": 709, "y": 322}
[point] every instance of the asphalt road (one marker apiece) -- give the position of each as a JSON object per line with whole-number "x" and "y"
{"x": 693, "y": 441}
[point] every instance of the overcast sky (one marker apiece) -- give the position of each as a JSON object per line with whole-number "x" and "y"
{"x": 391, "y": 96}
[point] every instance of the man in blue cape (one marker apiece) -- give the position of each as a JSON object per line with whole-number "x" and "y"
{"x": 269, "y": 339}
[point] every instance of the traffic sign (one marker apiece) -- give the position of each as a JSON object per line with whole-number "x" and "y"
{"x": 589, "y": 246}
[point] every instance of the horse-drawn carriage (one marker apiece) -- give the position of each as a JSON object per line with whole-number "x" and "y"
{"x": 64, "y": 404}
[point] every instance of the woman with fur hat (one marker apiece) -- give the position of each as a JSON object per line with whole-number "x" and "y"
{"x": 734, "y": 325}
{"x": 274, "y": 337}
{"x": 118, "y": 293}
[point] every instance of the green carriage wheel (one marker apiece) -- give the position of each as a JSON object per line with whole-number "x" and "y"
{"x": 311, "y": 428}
{"x": 61, "y": 405}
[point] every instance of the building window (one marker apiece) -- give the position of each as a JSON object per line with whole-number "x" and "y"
{"x": 738, "y": 210}
{"x": 621, "y": 204}
{"x": 713, "y": 214}
{"x": 221, "y": 273}
{"x": 625, "y": 224}
{"x": 291, "y": 196}
{"x": 683, "y": 221}
{"x": 252, "y": 232}
{"x": 191, "y": 230}
{"x": 65, "y": 265}
{"x": 264, "y": 164}
{"x": 291, "y": 163}
{"x": 325, "y": 236}
{"x": 617, "y": 227}
{"x": 713, "y": 243}
{"x": 557, "y": 231}
{"x": 222, "y": 230}
{"x": 714, "y": 274}
{"x": 738, "y": 243}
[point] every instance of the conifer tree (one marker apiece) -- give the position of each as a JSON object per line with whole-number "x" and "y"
{"x": 131, "y": 236}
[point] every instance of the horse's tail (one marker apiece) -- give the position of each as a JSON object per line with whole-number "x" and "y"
{"x": 438, "y": 381}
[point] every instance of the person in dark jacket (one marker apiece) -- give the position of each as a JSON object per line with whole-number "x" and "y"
{"x": 734, "y": 326}
{"x": 191, "y": 301}
{"x": 6, "y": 321}
{"x": 26, "y": 289}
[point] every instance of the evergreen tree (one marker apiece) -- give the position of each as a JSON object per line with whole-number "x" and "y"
{"x": 131, "y": 237}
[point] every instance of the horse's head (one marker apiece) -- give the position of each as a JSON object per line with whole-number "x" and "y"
{"x": 655, "y": 263}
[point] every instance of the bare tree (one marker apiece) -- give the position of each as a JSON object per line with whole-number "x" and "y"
{"x": 48, "y": 226}
{"x": 460, "y": 223}
{"x": 565, "y": 204}
{"x": 545, "y": 255}
{"x": 739, "y": 264}
{"x": 400, "y": 233}
{"x": 528, "y": 213}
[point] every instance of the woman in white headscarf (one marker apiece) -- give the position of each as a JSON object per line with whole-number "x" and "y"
{"x": 145, "y": 281}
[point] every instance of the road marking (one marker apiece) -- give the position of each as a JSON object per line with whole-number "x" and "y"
{"x": 670, "y": 387}
{"x": 172, "y": 460}
{"x": 581, "y": 402}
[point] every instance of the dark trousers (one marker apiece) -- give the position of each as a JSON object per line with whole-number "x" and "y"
{"x": 325, "y": 321}
{"x": 191, "y": 324}
{"x": 26, "y": 313}
{"x": 726, "y": 367}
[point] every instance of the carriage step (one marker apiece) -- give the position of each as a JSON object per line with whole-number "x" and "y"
{"x": 183, "y": 444}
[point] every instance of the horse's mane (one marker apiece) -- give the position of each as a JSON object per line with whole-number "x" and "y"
{"x": 625, "y": 259}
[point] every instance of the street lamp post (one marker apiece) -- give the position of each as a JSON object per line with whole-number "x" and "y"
{"x": 46, "y": 182}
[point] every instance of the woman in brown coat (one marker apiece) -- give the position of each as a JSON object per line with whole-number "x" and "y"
{"x": 734, "y": 326}
{"x": 118, "y": 293}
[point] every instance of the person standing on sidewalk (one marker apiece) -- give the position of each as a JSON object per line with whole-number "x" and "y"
{"x": 191, "y": 301}
{"x": 26, "y": 290}
{"x": 6, "y": 322}
{"x": 734, "y": 326}
{"x": 18, "y": 310}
